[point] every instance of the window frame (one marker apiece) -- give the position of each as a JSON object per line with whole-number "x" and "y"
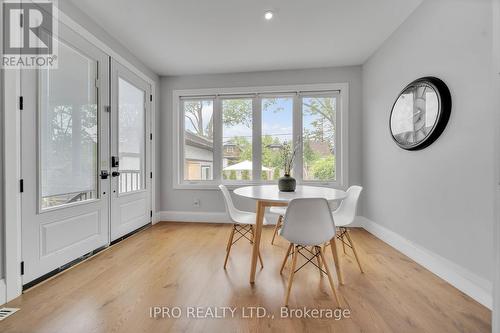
{"x": 257, "y": 93}
{"x": 180, "y": 146}
{"x": 299, "y": 165}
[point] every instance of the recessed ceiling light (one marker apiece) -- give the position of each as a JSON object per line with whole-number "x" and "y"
{"x": 268, "y": 15}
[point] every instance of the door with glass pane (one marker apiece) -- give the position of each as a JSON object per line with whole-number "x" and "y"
{"x": 65, "y": 147}
{"x": 130, "y": 150}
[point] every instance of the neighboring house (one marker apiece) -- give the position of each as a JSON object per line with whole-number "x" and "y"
{"x": 198, "y": 154}
{"x": 320, "y": 147}
{"x": 231, "y": 154}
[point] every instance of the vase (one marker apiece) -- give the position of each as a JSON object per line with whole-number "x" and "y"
{"x": 287, "y": 183}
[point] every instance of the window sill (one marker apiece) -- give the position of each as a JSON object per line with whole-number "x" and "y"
{"x": 233, "y": 185}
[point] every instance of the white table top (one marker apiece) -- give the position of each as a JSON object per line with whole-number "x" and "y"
{"x": 271, "y": 193}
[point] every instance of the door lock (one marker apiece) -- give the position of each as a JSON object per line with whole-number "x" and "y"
{"x": 104, "y": 174}
{"x": 114, "y": 161}
{"x": 115, "y": 174}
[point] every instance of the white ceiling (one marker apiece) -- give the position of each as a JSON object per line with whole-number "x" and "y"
{"x": 176, "y": 37}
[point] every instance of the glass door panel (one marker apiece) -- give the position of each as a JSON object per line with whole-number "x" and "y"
{"x": 68, "y": 130}
{"x": 131, "y": 131}
{"x": 130, "y": 151}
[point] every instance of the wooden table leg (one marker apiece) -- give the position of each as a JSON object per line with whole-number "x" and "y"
{"x": 261, "y": 208}
{"x": 336, "y": 259}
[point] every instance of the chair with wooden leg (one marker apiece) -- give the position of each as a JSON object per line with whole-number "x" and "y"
{"x": 344, "y": 216}
{"x": 308, "y": 223}
{"x": 243, "y": 224}
{"x": 280, "y": 211}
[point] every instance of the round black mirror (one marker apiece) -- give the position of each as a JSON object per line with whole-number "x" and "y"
{"x": 420, "y": 113}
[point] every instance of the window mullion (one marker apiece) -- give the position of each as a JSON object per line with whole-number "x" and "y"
{"x": 182, "y": 142}
{"x": 256, "y": 138}
{"x": 217, "y": 128}
{"x": 297, "y": 133}
{"x": 338, "y": 142}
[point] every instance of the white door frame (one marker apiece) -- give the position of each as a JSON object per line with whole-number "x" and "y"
{"x": 2, "y": 217}
{"x": 12, "y": 165}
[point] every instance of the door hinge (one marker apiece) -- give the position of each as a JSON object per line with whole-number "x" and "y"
{"x": 107, "y": 108}
{"x": 21, "y": 103}
{"x": 21, "y": 20}
{"x": 150, "y": 98}
{"x": 151, "y": 213}
{"x": 151, "y": 136}
{"x": 21, "y": 185}
{"x": 22, "y": 267}
{"x": 151, "y": 175}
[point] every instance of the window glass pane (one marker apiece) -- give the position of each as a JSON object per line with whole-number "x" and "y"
{"x": 276, "y": 130}
{"x": 68, "y": 130}
{"x": 319, "y": 128}
{"x": 198, "y": 139}
{"x": 237, "y": 139}
{"x": 131, "y": 131}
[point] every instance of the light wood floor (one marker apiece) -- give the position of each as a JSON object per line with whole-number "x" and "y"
{"x": 180, "y": 264}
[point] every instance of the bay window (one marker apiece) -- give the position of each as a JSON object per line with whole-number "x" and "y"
{"x": 236, "y": 135}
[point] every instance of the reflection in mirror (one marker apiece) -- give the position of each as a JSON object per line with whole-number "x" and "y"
{"x": 414, "y": 114}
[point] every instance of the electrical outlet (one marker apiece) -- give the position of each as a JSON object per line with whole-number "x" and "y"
{"x": 196, "y": 202}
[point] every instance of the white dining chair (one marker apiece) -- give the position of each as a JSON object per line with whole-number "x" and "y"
{"x": 344, "y": 216}
{"x": 280, "y": 211}
{"x": 243, "y": 223}
{"x": 308, "y": 223}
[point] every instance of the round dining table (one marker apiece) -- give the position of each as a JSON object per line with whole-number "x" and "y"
{"x": 270, "y": 195}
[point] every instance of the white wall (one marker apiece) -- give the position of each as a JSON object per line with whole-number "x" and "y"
{"x": 211, "y": 200}
{"x": 441, "y": 198}
{"x": 496, "y": 86}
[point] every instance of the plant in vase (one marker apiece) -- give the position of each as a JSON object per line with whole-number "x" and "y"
{"x": 287, "y": 183}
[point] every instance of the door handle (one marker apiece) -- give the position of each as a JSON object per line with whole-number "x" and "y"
{"x": 115, "y": 174}
{"x": 104, "y": 174}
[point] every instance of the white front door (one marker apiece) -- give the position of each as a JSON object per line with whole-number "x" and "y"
{"x": 65, "y": 146}
{"x": 130, "y": 150}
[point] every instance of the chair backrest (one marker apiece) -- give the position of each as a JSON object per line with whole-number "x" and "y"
{"x": 349, "y": 205}
{"x": 308, "y": 222}
{"x": 231, "y": 209}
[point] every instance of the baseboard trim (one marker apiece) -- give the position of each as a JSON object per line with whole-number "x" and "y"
{"x": 215, "y": 217}
{"x": 202, "y": 217}
{"x": 197, "y": 217}
{"x": 464, "y": 280}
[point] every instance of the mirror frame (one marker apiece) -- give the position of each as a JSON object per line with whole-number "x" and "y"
{"x": 444, "y": 111}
